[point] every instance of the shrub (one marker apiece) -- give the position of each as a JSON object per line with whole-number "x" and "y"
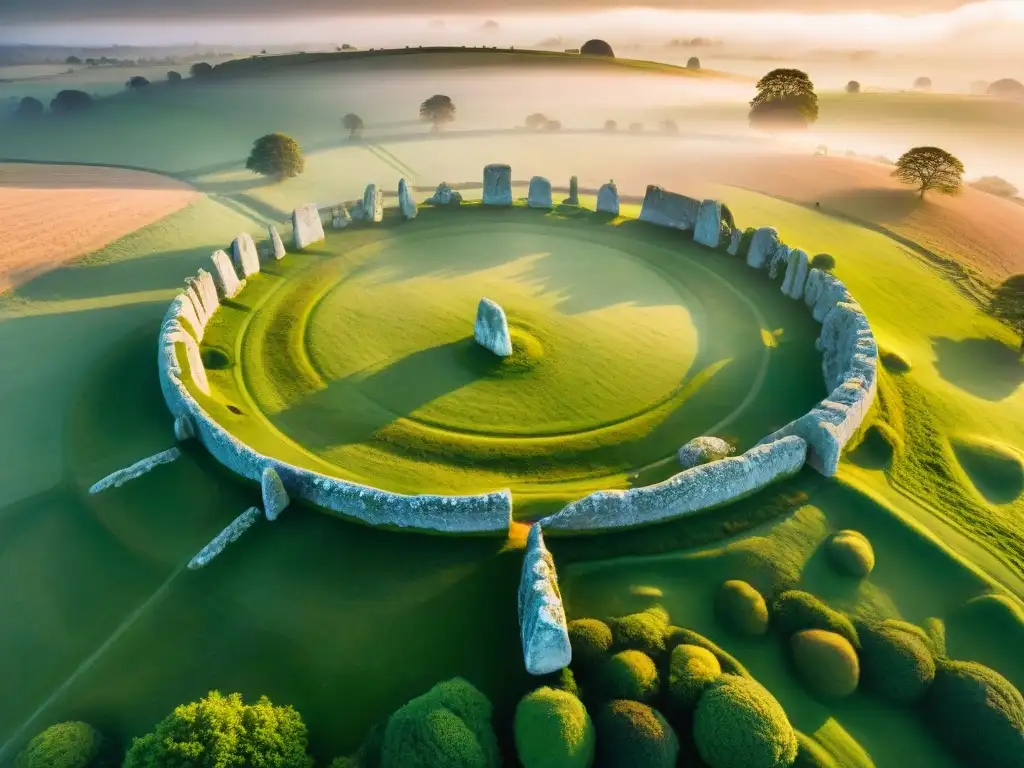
{"x": 447, "y": 727}
{"x": 739, "y": 724}
{"x": 796, "y": 610}
{"x": 276, "y": 154}
{"x": 597, "y": 48}
{"x": 896, "y": 663}
{"x": 1007, "y": 88}
{"x": 174, "y": 77}
{"x": 923, "y": 84}
{"x": 536, "y": 121}
{"x": 29, "y": 107}
{"x": 136, "y": 82}
{"x": 201, "y": 69}
{"x": 824, "y": 261}
{"x": 669, "y": 126}
{"x": 64, "y": 745}
{"x": 742, "y": 608}
{"x": 611, "y": 125}
{"x": 636, "y": 127}
{"x": 677, "y": 636}
{"x": 590, "y": 639}
{"x": 633, "y": 734}
{"x": 693, "y": 63}
{"x": 223, "y": 730}
{"x": 853, "y": 87}
{"x": 691, "y": 670}
{"x": 851, "y": 553}
{"x": 825, "y": 662}
{"x": 553, "y": 730}
{"x": 628, "y": 675}
{"x": 644, "y": 631}
{"x": 978, "y": 714}
{"x": 562, "y": 680}
{"x": 744, "y": 249}
{"x": 995, "y": 185}
{"x": 553, "y": 125}
{"x": 70, "y": 101}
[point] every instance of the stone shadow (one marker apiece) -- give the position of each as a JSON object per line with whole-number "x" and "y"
{"x": 985, "y": 367}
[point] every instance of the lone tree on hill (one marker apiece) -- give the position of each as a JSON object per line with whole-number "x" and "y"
{"x": 1008, "y": 305}
{"x": 276, "y": 155}
{"x": 201, "y": 69}
{"x": 853, "y": 87}
{"x": 536, "y": 121}
{"x": 597, "y": 48}
{"x": 785, "y": 99}
{"x": 923, "y": 84}
{"x": 929, "y": 168}
{"x": 1007, "y": 88}
{"x": 70, "y": 101}
{"x": 29, "y": 107}
{"x": 437, "y": 110}
{"x": 174, "y": 77}
{"x": 693, "y": 63}
{"x": 353, "y": 124}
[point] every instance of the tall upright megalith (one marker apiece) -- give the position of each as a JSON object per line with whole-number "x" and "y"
{"x": 574, "y": 192}
{"x": 405, "y": 202}
{"x": 277, "y": 245}
{"x": 498, "y": 185}
{"x": 373, "y": 204}
{"x": 542, "y": 628}
{"x": 708, "y": 229}
{"x": 307, "y": 228}
{"x": 224, "y": 275}
{"x": 608, "y": 199}
{"x": 540, "y": 193}
{"x": 245, "y": 256}
{"x": 762, "y": 247}
{"x": 491, "y": 328}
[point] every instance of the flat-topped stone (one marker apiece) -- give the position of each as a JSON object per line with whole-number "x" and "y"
{"x": 498, "y": 184}
{"x": 307, "y": 228}
{"x": 608, "y": 199}
{"x": 708, "y": 229}
{"x": 540, "y": 193}
{"x": 669, "y": 209}
{"x": 542, "y": 626}
{"x": 405, "y": 202}
{"x": 245, "y": 256}
{"x": 491, "y": 328}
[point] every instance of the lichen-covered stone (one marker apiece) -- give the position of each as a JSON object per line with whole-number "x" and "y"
{"x": 276, "y": 244}
{"x": 762, "y": 247}
{"x": 539, "y": 195}
{"x": 340, "y": 217}
{"x": 708, "y": 228}
{"x": 406, "y": 204}
{"x": 608, "y": 199}
{"x": 175, "y": 333}
{"x": 491, "y": 328}
{"x": 373, "y": 204}
{"x": 778, "y": 261}
{"x": 184, "y": 427}
{"x": 183, "y": 309}
{"x": 445, "y": 195}
{"x": 542, "y": 626}
{"x": 224, "y": 275}
{"x": 692, "y": 490}
{"x": 139, "y": 468}
{"x": 574, "y": 192}
{"x": 245, "y": 256}
{"x": 498, "y": 185}
{"x": 832, "y": 292}
{"x": 734, "y": 242}
{"x": 307, "y": 227}
{"x": 813, "y": 286}
{"x": 670, "y": 209}
{"x": 703, "y": 449}
{"x": 796, "y": 274}
{"x": 202, "y": 318}
{"x": 231, "y": 533}
{"x": 357, "y": 212}
{"x": 275, "y": 497}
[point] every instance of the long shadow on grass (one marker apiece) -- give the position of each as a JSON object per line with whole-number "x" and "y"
{"x": 986, "y": 368}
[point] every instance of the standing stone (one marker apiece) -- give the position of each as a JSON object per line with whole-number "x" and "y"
{"x": 224, "y": 275}
{"x": 796, "y": 274}
{"x": 574, "y": 192}
{"x": 542, "y": 627}
{"x": 307, "y": 228}
{"x": 340, "y": 217}
{"x": 445, "y": 195}
{"x": 358, "y": 212}
{"x": 778, "y": 261}
{"x": 275, "y": 240}
{"x": 709, "y": 224}
{"x": 608, "y": 199}
{"x": 762, "y": 247}
{"x": 540, "y": 193}
{"x": 498, "y": 185}
{"x": 669, "y": 209}
{"x": 184, "y": 427}
{"x": 373, "y": 204}
{"x": 491, "y": 328}
{"x": 405, "y": 202}
{"x": 734, "y": 243}
{"x": 245, "y": 256}
{"x": 198, "y": 310}
{"x": 275, "y": 497}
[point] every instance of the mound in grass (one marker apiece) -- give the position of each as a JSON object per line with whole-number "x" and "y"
{"x": 553, "y": 730}
{"x": 977, "y": 714}
{"x": 632, "y": 734}
{"x": 64, "y": 745}
{"x": 627, "y": 675}
{"x": 739, "y": 724}
{"x": 894, "y": 361}
{"x": 810, "y": 754}
{"x": 644, "y": 631}
{"x": 851, "y": 554}
{"x": 677, "y": 636}
{"x": 590, "y": 640}
{"x": 996, "y": 470}
{"x": 796, "y": 610}
{"x": 691, "y": 670}
{"x": 825, "y": 662}
{"x": 447, "y": 727}
{"x": 742, "y": 608}
{"x": 877, "y": 448}
{"x": 897, "y": 662}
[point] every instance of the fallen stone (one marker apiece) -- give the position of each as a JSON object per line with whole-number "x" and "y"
{"x": 796, "y": 274}
{"x": 608, "y": 199}
{"x": 734, "y": 243}
{"x": 373, "y": 204}
{"x": 703, "y": 449}
{"x": 542, "y": 626}
{"x": 669, "y": 209}
{"x": 224, "y": 275}
{"x": 708, "y": 228}
{"x": 138, "y": 469}
{"x": 762, "y": 247}
{"x": 405, "y": 202}
{"x": 275, "y": 497}
{"x": 540, "y": 193}
{"x": 276, "y": 243}
{"x": 491, "y": 328}
{"x": 307, "y": 228}
{"x": 574, "y": 192}
{"x": 498, "y": 185}
{"x": 231, "y": 533}
{"x": 245, "y": 256}
{"x": 341, "y": 218}
{"x": 184, "y": 427}
{"x": 778, "y": 261}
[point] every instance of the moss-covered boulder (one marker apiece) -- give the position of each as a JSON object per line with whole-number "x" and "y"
{"x": 796, "y": 610}
{"x": 64, "y": 745}
{"x": 739, "y": 724}
{"x": 644, "y": 631}
{"x": 631, "y": 735}
{"x": 590, "y": 639}
{"x": 742, "y": 608}
{"x": 897, "y": 663}
{"x": 978, "y": 714}
{"x": 553, "y": 730}
{"x": 825, "y": 662}
{"x": 691, "y": 670}
{"x": 851, "y": 554}
{"x": 627, "y": 675}
{"x": 676, "y": 636}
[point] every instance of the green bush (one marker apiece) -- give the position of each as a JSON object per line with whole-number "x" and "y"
{"x": 896, "y": 662}
{"x": 553, "y": 730}
{"x": 691, "y": 670}
{"x": 744, "y": 249}
{"x": 742, "y": 608}
{"x": 796, "y": 610}
{"x": 562, "y": 680}
{"x": 627, "y": 675}
{"x": 590, "y": 640}
{"x": 644, "y": 631}
{"x": 447, "y": 727}
{"x": 851, "y": 553}
{"x": 825, "y": 662}
{"x": 824, "y": 261}
{"x": 977, "y": 714}
{"x": 277, "y": 155}
{"x": 632, "y": 735}
{"x": 223, "y": 730}
{"x": 64, "y": 745}
{"x": 739, "y": 724}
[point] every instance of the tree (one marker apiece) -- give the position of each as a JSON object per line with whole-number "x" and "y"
{"x": 536, "y": 121}
{"x": 611, "y": 125}
{"x": 923, "y": 84}
{"x": 70, "y": 101}
{"x": 979, "y": 88}
{"x": 201, "y": 69}
{"x": 693, "y": 63}
{"x": 785, "y": 99}
{"x": 174, "y": 77}
{"x": 1008, "y": 305}
{"x": 669, "y": 126}
{"x": 73, "y": 60}
{"x": 29, "y": 107}
{"x": 437, "y": 110}
{"x": 353, "y": 124}
{"x": 597, "y": 48}
{"x": 276, "y": 155}
{"x": 221, "y": 731}
{"x": 1007, "y": 88}
{"x": 553, "y": 125}
{"x": 853, "y": 87}
{"x": 64, "y": 745}
{"x": 930, "y": 168}
{"x": 135, "y": 83}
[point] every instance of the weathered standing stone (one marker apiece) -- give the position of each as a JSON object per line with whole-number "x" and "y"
{"x": 184, "y": 427}
{"x": 498, "y": 185}
{"x": 491, "y": 328}
{"x": 762, "y": 247}
{"x": 358, "y": 213}
{"x": 574, "y": 192}
{"x": 778, "y": 261}
{"x": 703, "y": 449}
{"x": 734, "y": 243}
{"x": 373, "y": 204}
{"x": 307, "y": 228}
{"x": 542, "y": 627}
{"x": 275, "y": 497}
{"x": 275, "y": 240}
{"x": 405, "y": 202}
{"x": 445, "y": 195}
{"x": 608, "y": 199}
{"x": 540, "y": 193}
{"x": 224, "y": 275}
{"x": 709, "y": 224}
{"x": 669, "y": 209}
{"x": 796, "y": 274}
{"x": 245, "y": 256}
{"x": 340, "y": 217}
